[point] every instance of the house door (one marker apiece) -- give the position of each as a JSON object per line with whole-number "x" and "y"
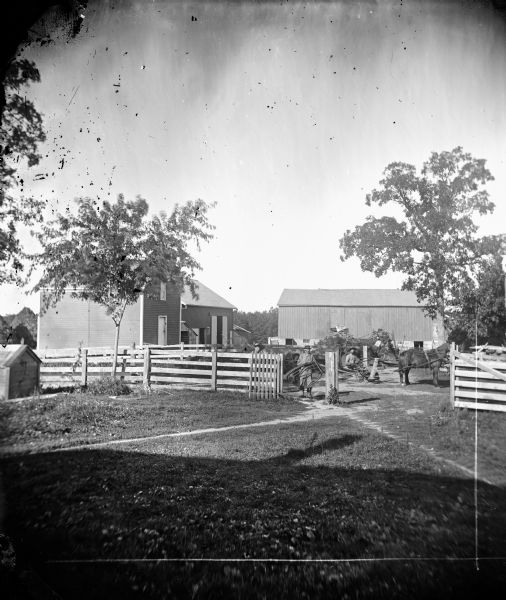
{"x": 216, "y": 329}
{"x": 162, "y": 330}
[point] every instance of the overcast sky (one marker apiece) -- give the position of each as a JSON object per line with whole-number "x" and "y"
{"x": 285, "y": 116}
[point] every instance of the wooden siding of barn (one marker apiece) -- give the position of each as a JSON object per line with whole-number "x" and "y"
{"x": 75, "y": 322}
{"x": 314, "y": 322}
{"x": 154, "y": 308}
{"x": 198, "y": 317}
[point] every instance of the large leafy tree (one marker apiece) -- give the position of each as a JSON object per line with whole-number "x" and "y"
{"x": 481, "y": 314}
{"x": 262, "y": 324}
{"x": 20, "y": 135}
{"x": 110, "y": 254}
{"x": 433, "y": 237}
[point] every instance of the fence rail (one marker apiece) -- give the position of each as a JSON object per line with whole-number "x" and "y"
{"x": 477, "y": 381}
{"x": 261, "y": 374}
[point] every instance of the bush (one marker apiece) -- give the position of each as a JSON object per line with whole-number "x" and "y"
{"x": 108, "y": 386}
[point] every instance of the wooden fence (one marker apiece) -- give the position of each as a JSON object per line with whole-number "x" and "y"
{"x": 261, "y": 374}
{"x": 477, "y": 381}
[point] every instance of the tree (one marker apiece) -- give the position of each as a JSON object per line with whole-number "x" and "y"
{"x": 262, "y": 324}
{"x": 20, "y": 135}
{"x": 434, "y": 243}
{"x": 482, "y": 313}
{"x": 112, "y": 254}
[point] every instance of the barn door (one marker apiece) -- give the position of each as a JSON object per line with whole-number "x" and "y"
{"x": 162, "y": 330}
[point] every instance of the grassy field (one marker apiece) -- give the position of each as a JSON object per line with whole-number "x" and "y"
{"x": 81, "y": 418}
{"x": 424, "y": 416}
{"x": 323, "y": 489}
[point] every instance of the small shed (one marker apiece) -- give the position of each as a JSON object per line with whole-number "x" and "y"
{"x": 19, "y": 371}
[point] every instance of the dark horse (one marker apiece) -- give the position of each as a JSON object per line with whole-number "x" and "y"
{"x": 418, "y": 357}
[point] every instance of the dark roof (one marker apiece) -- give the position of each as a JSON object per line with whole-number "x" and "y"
{"x": 291, "y": 297}
{"x": 206, "y": 297}
{"x": 10, "y": 353}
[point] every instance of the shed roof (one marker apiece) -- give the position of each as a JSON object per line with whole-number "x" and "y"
{"x": 358, "y": 297}
{"x": 10, "y": 353}
{"x": 206, "y": 297}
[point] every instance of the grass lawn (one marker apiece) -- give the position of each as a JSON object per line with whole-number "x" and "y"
{"x": 81, "y": 418}
{"x": 323, "y": 489}
{"x": 423, "y": 415}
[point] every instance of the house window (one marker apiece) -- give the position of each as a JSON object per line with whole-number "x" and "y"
{"x": 163, "y": 291}
{"x": 418, "y": 344}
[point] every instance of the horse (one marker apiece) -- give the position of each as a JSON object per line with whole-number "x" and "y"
{"x": 418, "y": 357}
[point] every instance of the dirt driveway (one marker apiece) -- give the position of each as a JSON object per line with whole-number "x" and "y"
{"x": 419, "y": 414}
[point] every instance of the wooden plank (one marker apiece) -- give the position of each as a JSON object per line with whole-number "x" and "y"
{"x": 280, "y": 375}
{"x": 169, "y": 371}
{"x": 178, "y": 354}
{"x": 480, "y": 406}
{"x": 214, "y": 370}
{"x": 65, "y": 369}
{"x": 234, "y": 355}
{"x": 481, "y": 395}
{"x": 480, "y": 385}
{"x": 146, "y": 367}
{"x": 178, "y": 362}
{"x": 481, "y": 365}
{"x": 250, "y": 387}
{"x": 239, "y": 374}
{"x": 84, "y": 367}
{"x": 58, "y": 380}
{"x": 169, "y": 380}
{"x": 471, "y": 374}
{"x": 470, "y": 360}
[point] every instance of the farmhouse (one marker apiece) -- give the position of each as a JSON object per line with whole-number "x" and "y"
{"x": 165, "y": 319}
{"x": 306, "y": 316}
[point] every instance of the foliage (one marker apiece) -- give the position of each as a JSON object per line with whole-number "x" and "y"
{"x": 482, "y": 312}
{"x": 23, "y": 326}
{"x": 108, "y": 386}
{"x": 434, "y": 243}
{"x": 113, "y": 253}
{"x": 262, "y": 324}
{"x": 20, "y": 135}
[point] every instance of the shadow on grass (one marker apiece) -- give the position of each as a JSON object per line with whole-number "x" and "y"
{"x": 104, "y": 503}
{"x": 317, "y": 447}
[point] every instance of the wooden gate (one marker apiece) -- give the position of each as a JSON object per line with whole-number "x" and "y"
{"x": 266, "y": 375}
{"x": 477, "y": 381}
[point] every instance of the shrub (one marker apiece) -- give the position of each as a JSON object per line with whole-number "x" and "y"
{"x": 108, "y": 386}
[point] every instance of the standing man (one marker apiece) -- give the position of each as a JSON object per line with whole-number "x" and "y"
{"x": 306, "y": 373}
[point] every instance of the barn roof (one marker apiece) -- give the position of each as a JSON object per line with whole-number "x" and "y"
{"x": 206, "y": 297}
{"x": 357, "y": 297}
{"x": 10, "y": 353}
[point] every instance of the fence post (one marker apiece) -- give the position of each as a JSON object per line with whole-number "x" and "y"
{"x": 146, "y": 370}
{"x": 123, "y": 364}
{"x": 84, "y": 367}
{"x": 331, "y": 372}
{"x": 281, "y": 371}
{"x": 364, "y": 357}
{"x": 214, "y": 369}
{"x": 452, "y": 375}
{"x": 250, "y": 374}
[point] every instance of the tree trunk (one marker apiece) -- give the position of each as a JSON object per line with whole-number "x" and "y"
{"x": 116, "y": 339}
{"x": 115, "y": 359}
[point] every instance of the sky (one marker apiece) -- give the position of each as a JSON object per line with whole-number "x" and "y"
{"x": 284, "y": 114}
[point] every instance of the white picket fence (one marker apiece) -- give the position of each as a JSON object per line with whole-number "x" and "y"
{"x": 182, "y": 366}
